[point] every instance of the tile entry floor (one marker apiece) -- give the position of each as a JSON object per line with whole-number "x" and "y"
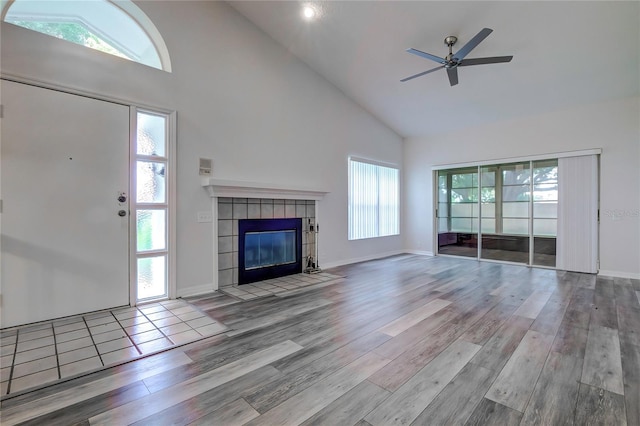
{"x": 275, "y": 286}
{"x": 43, "y": 353}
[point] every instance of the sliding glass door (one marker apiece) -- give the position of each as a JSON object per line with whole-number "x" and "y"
{"x": 458, "y": 212}
{"x": 545, "y": 212}
{"x": 505, "y": 232}
{"x": 505, "y": 212}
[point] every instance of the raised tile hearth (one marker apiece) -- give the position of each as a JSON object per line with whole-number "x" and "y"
{"x": 280, "y": 286}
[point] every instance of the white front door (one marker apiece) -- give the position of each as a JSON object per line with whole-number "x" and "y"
{"x": 64, "y": 163}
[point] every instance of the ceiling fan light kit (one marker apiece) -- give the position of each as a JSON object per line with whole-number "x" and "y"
{"x": 452, "y": 61}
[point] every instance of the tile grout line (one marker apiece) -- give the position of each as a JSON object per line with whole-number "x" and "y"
{"x": 158, "y": 328}
{"x": 13, "y": 363}
{"x": 55, "y": 348}
{"x": 92, "y": 340}
{"x": 125, "y": 332}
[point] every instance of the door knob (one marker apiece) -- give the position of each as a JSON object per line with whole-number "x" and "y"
{"x": 122, "y": 213}
{"x": 122, "y": 198}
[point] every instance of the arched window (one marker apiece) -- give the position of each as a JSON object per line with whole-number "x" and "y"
{"x": 119, "y": 27}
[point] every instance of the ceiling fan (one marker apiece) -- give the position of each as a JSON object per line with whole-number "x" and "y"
{"x": 452, "y": 61}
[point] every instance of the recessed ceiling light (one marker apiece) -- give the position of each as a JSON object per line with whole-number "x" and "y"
{"x": 308, "y": 12}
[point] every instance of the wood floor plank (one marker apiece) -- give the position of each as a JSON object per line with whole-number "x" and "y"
{"x": 326, "y": 342}
{"x": 158, "y": 401}
{"x": 550, "y": 318}
{"x": 486, "y": 326}
{"x": 570, "y": 341}
{"x": 597, "y": 406}
{"x": 406, "y": 404}
{"x": 401, "y": 369}
{"x": 531, "y": 307}
{"x": 399, "y": 344}
{"x": 417, "y": 354}
{"x": 587, "y": 281}
{"x": 582, "y": 299}
{"x": 455, "y": 404}
{"x": 293, "y": 382}
{"x": 629, "y": 324}
{"x": 236, "y": 413}
{"x": 491, "y": 413}
{"x": 39, "y": 407}
{"x": 630, "y": 355}
{"x": 205, "y": 403}
{"x": 279, "y": 316}
{"x": 515, "y": 382}
{"x": 603, "y": 312}
{"x": 305, "y": 404}
{"x": 351, "y": 407}
{"x": 555, "y": 393}
{"x": 80, "y": 412}
{"x": 602, "y": 365}
{"x": 499, "y": 348}
{"x": 625, "y": 294}
{"x": 414, "y": 317}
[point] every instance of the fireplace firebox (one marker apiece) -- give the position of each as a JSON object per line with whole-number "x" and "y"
{"x": 268, "y": 248}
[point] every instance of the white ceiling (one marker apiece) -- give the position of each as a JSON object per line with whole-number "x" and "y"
{"x": 565, "y": 54}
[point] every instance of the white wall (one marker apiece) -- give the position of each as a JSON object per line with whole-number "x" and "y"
{"x": 243, "y": 100}
{"x": 613, "y": 126}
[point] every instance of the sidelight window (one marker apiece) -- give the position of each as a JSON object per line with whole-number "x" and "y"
{"x": 152, "y": 205}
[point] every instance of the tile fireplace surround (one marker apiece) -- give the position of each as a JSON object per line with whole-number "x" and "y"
{"x": 235, "y": 200}
{"x": 230, "y": 210}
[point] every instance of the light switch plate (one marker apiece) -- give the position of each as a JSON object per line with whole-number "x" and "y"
{"x": 204, "y": 217}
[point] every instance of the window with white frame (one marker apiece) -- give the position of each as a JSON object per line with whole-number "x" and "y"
{"x": 374, "y": 200}
{"x": 116, "y": 27}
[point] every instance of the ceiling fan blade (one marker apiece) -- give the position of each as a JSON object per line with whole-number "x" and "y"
{"x": 464, "y": 51}
{"x": 421, "y": 74}
{"x": 453, "y": 76}
{"x": 426, "y": 55}
{"x": 483, "y": 61}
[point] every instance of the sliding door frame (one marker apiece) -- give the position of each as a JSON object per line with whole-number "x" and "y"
{"x": 479, "y": 164}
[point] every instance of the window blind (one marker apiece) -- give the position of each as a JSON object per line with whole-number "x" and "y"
{"x": 373, "y": 200}
{"x": 577, "y": 246}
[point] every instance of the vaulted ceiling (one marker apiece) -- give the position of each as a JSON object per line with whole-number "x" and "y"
{"x": 564, "y": 54}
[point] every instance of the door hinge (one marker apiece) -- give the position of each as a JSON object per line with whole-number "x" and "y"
{"x": 1, "y": 111}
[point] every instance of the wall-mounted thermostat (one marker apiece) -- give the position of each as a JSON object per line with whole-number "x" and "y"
{"x": 206, "y": 164}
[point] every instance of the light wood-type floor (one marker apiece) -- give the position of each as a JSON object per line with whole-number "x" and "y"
{"x": 404, "y": 340}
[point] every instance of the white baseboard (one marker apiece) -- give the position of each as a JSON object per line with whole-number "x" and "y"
{"x": 329, "y": 265}
{"x": 195, "y": 291}
{"x": 420, "y": 252}
{"x": 375, "y": 256}
{"x": 619, "y": 274}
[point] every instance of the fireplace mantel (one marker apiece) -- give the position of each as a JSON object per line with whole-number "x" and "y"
{"x": 230, "y": 188}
